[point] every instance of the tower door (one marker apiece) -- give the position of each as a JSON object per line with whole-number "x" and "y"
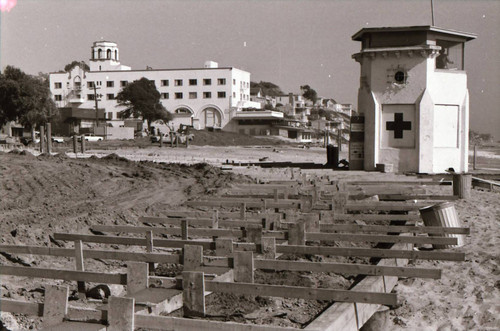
{"x": 446, "y": 143}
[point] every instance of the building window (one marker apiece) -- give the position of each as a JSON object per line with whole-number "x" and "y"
{"x": 110, "y": 96}
{"x": 221, "y": 95}
{"x": 110, "y": 83}
{"x": 234, "y": 81}
{"x": 207, "y": 81}
{"x": 99, "y": 83}
{"x": 207, "y": 95}
{"x": 108, "y": 54}
{"x": 164, "y": 82}
{"x": 57, "y": 85}
{"x": 123, "y": 83}
{"x": 221, "y": 81}
{"x": 110, "y": 116}
{"x": 164, "y": 95}
{"x": 234, "y": 94}
{"x": 178, "y": 82}
{"x": 178, "y": 95}
{"x": 58, "y": 97}
{"x": 90, "y": 97}
{"x": 193, "y": 95}
{"x": 193, "y": 82}
{"x": 90, "y": 84}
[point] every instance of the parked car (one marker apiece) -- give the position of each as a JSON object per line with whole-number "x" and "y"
{"x": 57, "y": 139}
{"x": 90, "y": 137}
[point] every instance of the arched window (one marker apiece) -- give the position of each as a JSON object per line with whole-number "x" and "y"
{"x": 116, "y": 55}
{"x": 99, "y": 53}
{"x": 108, "y": 54}
{"x": 92, "y": 55}
{"x": 182, "y": 110}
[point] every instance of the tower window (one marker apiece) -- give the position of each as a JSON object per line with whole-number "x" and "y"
{"x": 207, "y": 95}
{"x": 58, "y": 85}
{"x": 400, "y": 77}
{"x": 178, "y": 82}
{"x": 99, "y": 53}
{"x": 108, "y": 54}
{"x": 207, "y": 81}
{"x": 178, "y": 95}
{"x": 193, "y": 82}
{"x": 221, "y": 81}
{"x": 221, "y": 95}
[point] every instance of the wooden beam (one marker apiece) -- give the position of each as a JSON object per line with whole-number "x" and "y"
{"x": 200, "y": 232}
{"x": 305, "y": 293}
{"x": 93, "y": 254}
{"x": 382, "y": 205}
{"x": 69, "y": 275}
{"x": 347, "y": 268}
{"x": 379, "y": 238}
{"x": 393, "y": 228}
{"x": 117, "y": 240}
{"x": 21, "y": 307}
{"x": 371, "y": 252}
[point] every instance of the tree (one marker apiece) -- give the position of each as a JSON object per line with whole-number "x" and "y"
{"x": 267, "y": 88}
{"x": 75, "y": 63}
{"x": 309, "y": 93}
{"x": 24, "y": 98}
{"x": 142, "y": 99}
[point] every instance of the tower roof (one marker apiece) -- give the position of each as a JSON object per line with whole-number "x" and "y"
{"x": 358, "y": 36}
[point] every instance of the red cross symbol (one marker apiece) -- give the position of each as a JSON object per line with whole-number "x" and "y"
{"x": 398, "y": 126}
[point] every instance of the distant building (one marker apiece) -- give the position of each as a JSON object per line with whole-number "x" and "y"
{"x": 203, "y": 97}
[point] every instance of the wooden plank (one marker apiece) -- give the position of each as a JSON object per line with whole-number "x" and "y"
{"x": 117, "y": 240}
{"x": 201, "y": 232}
{"x": 249, "y": 204}
{"x": 137, "y": 277}
{"x": 121, "y": 314}
{"x": 305, "y": 293}
{"x": 21, "y": 307}
{"x": 382, "y": 205}
{"x": 347, "y": 268}
{"x": 393, "y": 228}
{"x": 379, "y": 238}
{"x": 70, "y": 275}
{"x": 201, "y": 222}
{"x": 55, "y": 305}
{"x": 80, "y": 267}
{"x": 93, "y": 254}
{"x": 371, "y": 252}
{"x": 189, "y": 324}
{"x": 243, "y": 267}
{"x": 193, "y": 294}
{"x": 395, "y": 182}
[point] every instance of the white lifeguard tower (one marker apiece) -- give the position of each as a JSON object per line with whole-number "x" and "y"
{"x": 414, "y": 98}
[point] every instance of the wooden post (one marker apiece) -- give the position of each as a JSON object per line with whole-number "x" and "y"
{"x": 75, "y": 143}
{"x": 223, "y": 247}
{"x": 184, "y": 229}
{"x": 193, "y": 293}
{"x": 215, "y": 219}
{"x": 253, "y": 234}
{"x": 161, "y": 138}
{"x": 276, "y": 194}
{"x": 171, "y": 139}
{"x": 82, "y": 143}
{"x": 49, "y": 138}
{"x": 269, "y": 247}
{"x": 462, "y": 185}
{"x": 243, "y": 210}
{"x": 339, "y": 202}
{"x": 137, "y": 277}
{"x": 55, "y": 305}
{"x": 296, "y": 234}
{"x": 149, "y": 249}
{"x": 243, "y": 267}
{"x": 311, "y": 222}
{"x": 187, "y": 141}
{"x": 121, "y": 314}
{"x": 82, "y": 291}
{"x": 42, "y": 139}
{"x": 474, "y": 158}
{"x": 193, "y": 257}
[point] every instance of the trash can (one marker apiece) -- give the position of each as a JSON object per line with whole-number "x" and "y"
{"x": 444, "y": 215}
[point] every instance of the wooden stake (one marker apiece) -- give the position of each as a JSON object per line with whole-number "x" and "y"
{"x": 193, "y": 257}
{"x": 82, "y": 143}
{"x": 243, "y": 267}
{"x": 137, "y": 277}
{"x": 42, "y": 139}
{"x": 193, "y": 294}
{"x": 49, "y": 138}
{"x": 243, "y": 211}
{"x": 121, "y": 314}
{"x": 82, "y": 291}
{"x": 215, "y": 219}
{"x": 223, "y": 247}
{"x": 296, "y": 234}
{"x": 184, "y": 229}
{"x": 149, "y": 249}
{"x": 55, "y": 305}
{"x": 75, "y": 144}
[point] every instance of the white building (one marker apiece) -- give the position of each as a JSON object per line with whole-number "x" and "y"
{"x": 202, "y": 97}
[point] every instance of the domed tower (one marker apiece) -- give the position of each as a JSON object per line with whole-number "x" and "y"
{"x": 105, "y": 56}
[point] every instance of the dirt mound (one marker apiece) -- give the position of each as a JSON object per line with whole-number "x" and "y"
{"x": 223, "y": 138}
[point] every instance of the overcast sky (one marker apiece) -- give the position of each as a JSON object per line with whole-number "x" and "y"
{"x": 287, "y": 42}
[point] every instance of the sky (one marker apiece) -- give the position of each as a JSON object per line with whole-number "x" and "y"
{"x": 287, "y": 42}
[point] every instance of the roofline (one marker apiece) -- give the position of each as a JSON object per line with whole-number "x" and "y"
{"x": 468, "y": 36}
{"x": 144, "y": 70}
